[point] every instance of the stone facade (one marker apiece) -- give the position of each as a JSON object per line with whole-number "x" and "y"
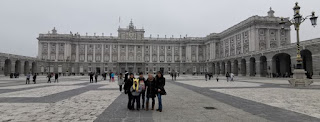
{"x": 250, "y": 47}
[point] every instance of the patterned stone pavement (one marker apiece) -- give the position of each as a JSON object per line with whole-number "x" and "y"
{"x": 75, "y": 99}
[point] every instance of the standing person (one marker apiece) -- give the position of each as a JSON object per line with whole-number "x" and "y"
{"x": 96, "y": 77}
{"x": 171, "y": 76}
{"x": 91, "y": 77}
{"x": 160, "y": 82}
{"x": 126, "y": 75}
{"x": 151, "y": 91}
{"x": 135, "y": 91}
{"x": 217, "y": 78}
{"x": 175, "y": 76}
{"x": 206, "y": 76}
{"x": 143, "y": 88}
{"x": 112, "y": 77}
{"x": 49, "y": 77}
{"x": 127, "y": 86}
{"x": 28, "y": 78}
{"x": 34, "y": 78}
{"x": 227, "y": 75}
{"x": 56, "y": 76}
{"x": 120, "y": 81}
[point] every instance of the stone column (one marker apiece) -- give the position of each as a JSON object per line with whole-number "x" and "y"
{"x": 197, "y": 53}
{"x": 40, "y": 50}
{"x": 85, "y": 53}
{"x": 258, "y": 72}
{"x": 150, "y": 52}
{"x": 127, "y": 51}
{"x": 119, "y": 46}
{"x": 135, "y": 54}
{"x": 110, "y": 53}
{"x": 77, "y": 52}
{"x": 94, "y": 53}
{"x": 57, "y": 51}
{"x": 49, "y": 51}
{"x": 165, "y": 54}
{"x": 102, "y": 54}
{"x": 268, "y": 38}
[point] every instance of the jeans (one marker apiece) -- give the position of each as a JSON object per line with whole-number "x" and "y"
{"x": 130, "y": 97}
{"x": 120, "y": 87}
{"x": 143, "y": 96}
{"x": 160, "y": 101}
{"x": 136, "y": 99}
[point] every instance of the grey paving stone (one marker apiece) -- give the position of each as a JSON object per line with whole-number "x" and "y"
{"x": 255, "y": 108}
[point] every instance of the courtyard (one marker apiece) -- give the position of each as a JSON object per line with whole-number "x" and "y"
{"x": 189, "y": 98}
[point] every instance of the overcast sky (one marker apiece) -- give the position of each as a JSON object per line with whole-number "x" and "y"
{"x": 22, "y": 20}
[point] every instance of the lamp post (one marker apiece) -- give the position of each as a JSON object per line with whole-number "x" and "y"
{"x": 299, "y": 73}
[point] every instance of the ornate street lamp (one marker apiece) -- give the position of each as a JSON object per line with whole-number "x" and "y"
{"x": 299, "y": 72}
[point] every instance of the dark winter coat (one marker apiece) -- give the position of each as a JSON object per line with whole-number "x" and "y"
{"x": 127, "y": 85}
{"x": 151, "y": 88}
{"x": 160, "y": 82}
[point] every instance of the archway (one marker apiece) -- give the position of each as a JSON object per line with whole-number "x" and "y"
{"x": 281, "y": 65}
{"x": 235, "y": 67}
{"x": 229, "y": 66}
{"x": 218, "y": 70}
{"x": 223, "y": 68}
{"x": 26, "y": 67}
{"x": 7, "y": 67}
{"x": 263, "y": 66}
{"x": 243, "y": 67}
{"x": 306, "y": 56}
{"x": 17, "y": 68}
{"x": 252, "y": 66}
{"x": 34, "y": 67}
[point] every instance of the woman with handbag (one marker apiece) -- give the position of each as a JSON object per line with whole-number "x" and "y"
{"x": 160, "y": 82}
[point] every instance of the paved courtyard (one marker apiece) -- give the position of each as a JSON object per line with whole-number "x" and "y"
{"x": 75, "y": 99}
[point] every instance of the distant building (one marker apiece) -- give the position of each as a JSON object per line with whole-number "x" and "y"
{"x": 255, "y": 46}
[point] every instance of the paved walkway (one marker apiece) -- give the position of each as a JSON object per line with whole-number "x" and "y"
{"x": 75, "y": 99}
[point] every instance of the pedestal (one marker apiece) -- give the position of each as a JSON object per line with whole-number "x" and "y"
{"x": 300, "y": 79}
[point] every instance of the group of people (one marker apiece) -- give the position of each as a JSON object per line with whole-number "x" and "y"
{"x": 141, "y": 89}
{"x": 104, "y": 76}
{"x": 229, "y": 77}
{"x": 29, "y": 76}
{"x": 56, "y": 77}
{"x": 174, "y": 75}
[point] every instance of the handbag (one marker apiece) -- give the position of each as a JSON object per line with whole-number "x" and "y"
{"x": 163, "y": 92}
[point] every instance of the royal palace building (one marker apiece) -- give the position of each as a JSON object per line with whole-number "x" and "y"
{"x": 251, "y": 47}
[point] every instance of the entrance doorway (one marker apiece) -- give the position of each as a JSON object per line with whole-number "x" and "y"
{"x": 98, "y": 70}
{"x": 161, "y": 70}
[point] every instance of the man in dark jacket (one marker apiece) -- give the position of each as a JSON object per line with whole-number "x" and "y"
{"x": 91, "y": 77}
{"x": 127, "y": 86}
{"x": 56, "y": 76}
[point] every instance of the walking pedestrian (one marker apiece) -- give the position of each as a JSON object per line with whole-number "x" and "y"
{"x": 91, "y": 77}
{"x": 56, "y": 77}
{"x": 49, "y": 77}
{"x": 206, "y": 76}
{"x": 28, "y": 78}
{"x": 227, "y": 75}
{"x": 96, "y": 77}
{"x": 35, "y": 78}
{"x": 112, "y": 77}
{"x": 175, "y": 76}
{"x": 143, "y": 88}
{"x": 120, "y": 81}
{"x": 217, "y": 78}
{"x": 151, "y": 91}
{"x": 160, "y": 83}
{"x": 127, "y": 86}
{"x": 135, "y": 91}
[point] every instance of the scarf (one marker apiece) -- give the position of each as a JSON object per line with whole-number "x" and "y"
{"x": 134, "y": 85}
